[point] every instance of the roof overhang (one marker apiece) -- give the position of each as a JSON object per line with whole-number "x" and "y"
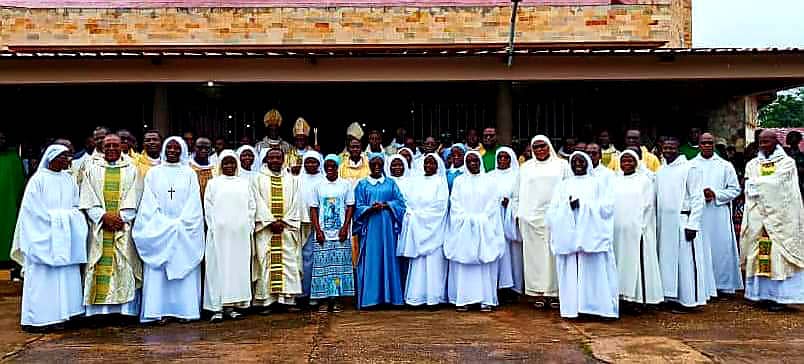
{"x": 402, "y": 63}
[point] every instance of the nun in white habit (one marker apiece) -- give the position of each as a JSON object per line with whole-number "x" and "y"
{"x": 581, "y": 224}
{"x": 249, "y": 168}
{"x": 230, "y": 208}
{"x": 169, "y": 235}
{"x": 396, "y": 168}
{"x": 506, "y": 176}
{"x": 475, "y": 241}
{"x": 310, "y": 178}
{"x": 635, "y": 248}
{"x": 538, "y": 178}
{"x": 422, "y": 236}
{"x": 50, "y": 243}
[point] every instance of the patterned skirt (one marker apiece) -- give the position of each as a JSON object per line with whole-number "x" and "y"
{"x": 332, "y": 272}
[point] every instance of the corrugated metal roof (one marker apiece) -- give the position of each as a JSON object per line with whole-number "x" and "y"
{"x": 390, "y": 51}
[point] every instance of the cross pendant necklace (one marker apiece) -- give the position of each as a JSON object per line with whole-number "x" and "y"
{"x": 171, "y": 191}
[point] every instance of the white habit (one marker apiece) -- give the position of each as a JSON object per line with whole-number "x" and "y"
{"x": 475, "y": 240}
{"x": 507, "y": 180}
{"x": 169, "y": 235}
{"x": 537, "y": 180}
{"x": 774, "y": 270}
{"x": 422, "y": 237}
{"x": 718, "y": 227}
{"x": 680, "y": 203}
{"x": 581, "y": 240}
{"x": 635, "y": 236}
{"x": 50, "y": 245}
{"x": 229, "y": 207}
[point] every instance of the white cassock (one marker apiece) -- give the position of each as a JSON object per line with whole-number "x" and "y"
{"x": 718, "y": 227}
{"x": 511, "y": 267}
{"x": 475, "y": 240}
{"x": 774, "y": 269}
{"x": 229, "y": 206}
{"x": 537, "y": 180}
{"x": 169, "y": 235}
{"x": 679, "y": 205}
{"x": 581, "y": 239}
{"x": 50, "y": 245}
{"x": 422, "y": 238}
{"x": 277, "y": 266}
{"x": 640, "y": 279}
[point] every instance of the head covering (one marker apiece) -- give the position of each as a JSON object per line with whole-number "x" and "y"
{"x": 633, "y": 155}
{"x": 482, "y": 169}
{"x": 514, "y": 167}
{"x": 585, "y": 156}
{"x": 255, "y": 167}
{"x": 301, "y": 127}
{"x": 545, "y": 139}
{"x": 315, "y": 155}
{"x": 412, "y": 155}
{"x": 183, "y": 158}
{"x": 355, "y": 130}
{"x": 442, "y": 170}
{"x": 53, "y": 151}
{"x": 272, "y": 118}
{"x": 374, "y": 155}
{"x": 391, "y": 159}
{"x": 228, "y": 153}
{"x": 334, "y": 158}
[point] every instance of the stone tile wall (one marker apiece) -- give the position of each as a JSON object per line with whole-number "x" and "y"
{"x": 661, "y": 20}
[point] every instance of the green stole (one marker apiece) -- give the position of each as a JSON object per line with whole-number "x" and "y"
{"x": 105, "y": 266}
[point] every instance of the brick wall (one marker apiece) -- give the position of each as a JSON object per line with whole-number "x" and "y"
{"x": 659, "y": 20}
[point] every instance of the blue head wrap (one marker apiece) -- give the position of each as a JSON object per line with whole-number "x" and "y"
{"x": 334, "y": 158}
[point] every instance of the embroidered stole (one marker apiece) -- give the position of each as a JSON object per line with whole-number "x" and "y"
{"x": 105, "y": 266}
{"x": 763, "y": 266}
{"x": 275, "y": 270}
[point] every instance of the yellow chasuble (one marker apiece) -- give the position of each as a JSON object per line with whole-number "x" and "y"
{"x": 204, "y": 175}
{"x": 354, "y": 172}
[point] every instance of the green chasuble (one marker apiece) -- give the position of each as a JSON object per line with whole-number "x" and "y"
{"x": 490, "y": 159}
{"x": 12, "y": 183}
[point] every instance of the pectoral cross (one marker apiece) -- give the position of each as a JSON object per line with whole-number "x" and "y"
{"x": 171, "y": 191}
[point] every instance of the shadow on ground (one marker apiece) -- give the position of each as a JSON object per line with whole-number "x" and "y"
{"x": 728, "y": 331}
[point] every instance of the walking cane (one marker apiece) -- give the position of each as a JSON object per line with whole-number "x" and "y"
{"x": 695, "y": 269}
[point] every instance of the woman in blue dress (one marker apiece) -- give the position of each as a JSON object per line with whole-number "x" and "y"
{"x": 379, "y": 209}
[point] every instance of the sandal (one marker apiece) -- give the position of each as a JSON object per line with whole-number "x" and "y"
{"x": 216, "y": 318}
{"x": 486, "y": 308}
{"x": 337, "y": 308}
{"x": 323, "y": 308}
{"x": 539, "y": 304}
{"x": 462, "y": 309}
{"x": 554, "y": 304}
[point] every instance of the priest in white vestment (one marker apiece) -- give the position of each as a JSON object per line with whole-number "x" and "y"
{"x": 110, "y": 194}
{"x": 772, "y": 235}
{"x": 680, "y": 203}
{"x": 580, "y": 218}
{"x": 169, "y": 236}
{"x": 538, "y": 177}
{"x": 475, "y": 240}
{"x": 640, "y": 280}
{"x": 720, "y": 187}
{"x": 422, "y": 237}
{"x": 506, "y": 176}
{"x": 229, "y": 207}
{"x": 50, "y": 243}
{"x": 599, "y": 170}
{"x": 277, "y": 262}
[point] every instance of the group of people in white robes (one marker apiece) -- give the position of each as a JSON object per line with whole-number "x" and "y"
{"x": 570, "y": 233}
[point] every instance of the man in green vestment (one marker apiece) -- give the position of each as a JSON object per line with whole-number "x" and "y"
{"x": 12, "y": 184}
{"x": 490, "y": 146}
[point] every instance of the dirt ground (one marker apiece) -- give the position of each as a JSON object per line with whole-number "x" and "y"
{"x": 724, "y": 331}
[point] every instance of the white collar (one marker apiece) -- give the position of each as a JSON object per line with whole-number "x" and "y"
{"x": 374, "y": 181}
{"x": 353, "y": 164}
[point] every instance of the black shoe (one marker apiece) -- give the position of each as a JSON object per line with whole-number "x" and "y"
{"x": 776, "y": 307}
